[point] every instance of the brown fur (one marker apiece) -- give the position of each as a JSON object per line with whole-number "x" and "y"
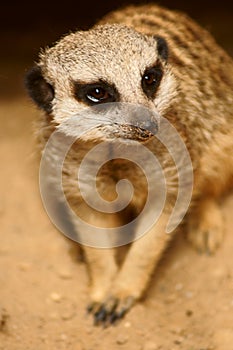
{"x": 195, "y": 95}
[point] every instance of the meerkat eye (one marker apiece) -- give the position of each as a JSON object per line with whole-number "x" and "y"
{"x": 151, "y": 80}
{"x": 95, "y": 93}
{"x": 98, "y": 95}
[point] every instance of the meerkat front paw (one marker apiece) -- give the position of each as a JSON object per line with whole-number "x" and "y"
{"x": 205, "y": 231}
{"x": 111, "y": 310}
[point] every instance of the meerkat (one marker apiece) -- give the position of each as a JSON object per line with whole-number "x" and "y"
{"x": 160, "y": 59}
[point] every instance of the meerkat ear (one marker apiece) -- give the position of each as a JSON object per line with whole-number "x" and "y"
{"x": 41, "y": 92}
{"x": 162, "y": 47}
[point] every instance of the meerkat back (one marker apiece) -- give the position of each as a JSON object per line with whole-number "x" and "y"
{"x": 204, "y": 72}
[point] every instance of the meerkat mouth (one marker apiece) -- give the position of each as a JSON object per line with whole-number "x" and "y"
{"x": 132, "y": 132}
{"x": 136, "y": 132}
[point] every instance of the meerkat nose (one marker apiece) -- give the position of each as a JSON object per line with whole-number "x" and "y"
{"x": 145, "y": 119}
{"x": 150, "y": 125}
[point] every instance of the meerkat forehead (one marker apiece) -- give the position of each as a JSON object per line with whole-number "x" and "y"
{"x": 101, "y": 52}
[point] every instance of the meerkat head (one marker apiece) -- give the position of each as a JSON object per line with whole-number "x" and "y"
{"x": 109, "y": 63}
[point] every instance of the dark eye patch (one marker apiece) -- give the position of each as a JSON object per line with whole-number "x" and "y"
{"x": 151, "y": 80}
{"x": 95, "y": 93}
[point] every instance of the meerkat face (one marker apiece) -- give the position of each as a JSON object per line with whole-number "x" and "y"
{"x": 110, "y": 63}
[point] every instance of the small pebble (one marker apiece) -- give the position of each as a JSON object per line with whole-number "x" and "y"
{"x": 63, "y": 337}
{"x": 219, "y": 273}
{"x": 179, "y": 286}
{"x": 177, "y": 330}
{"x": 189, "y": 313}
{"x": 53, "y": 316}
{"x": 140, "y": 332}
{"x": 89, "y": 330}
{"x": 122, "y": 339}
{"x": 189, "y": 295}
{"x": 176, "y": 265}
{"x": 68, "y": 315}
{"x": 150, "y": 346}
{"x": 56, "y": 297}
{"x": 127, "y": 324}
{"x": 43, "y": 337}
{"x": 65, "y": 274}
{"x": 23, "y": 266}
{"x": 179, "y": 341}
{"x": 171, "y": 298}
{"x": 3, "y": 320}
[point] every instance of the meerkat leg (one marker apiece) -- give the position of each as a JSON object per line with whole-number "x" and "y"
{"x": 135, "y": 273}
{"x": 101, "y": 262}
{"x": 205, "y": 226}
{"x": 102, "y": 270}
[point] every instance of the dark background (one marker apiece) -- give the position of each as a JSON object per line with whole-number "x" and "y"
{"x": 27, "y": 26}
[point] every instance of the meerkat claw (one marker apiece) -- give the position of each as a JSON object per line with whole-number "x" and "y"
{"x": 112, "y": 311}
{"x": 100, "y": 316}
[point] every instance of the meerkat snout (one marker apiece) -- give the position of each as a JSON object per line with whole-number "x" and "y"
{"x": 126, "y": 121}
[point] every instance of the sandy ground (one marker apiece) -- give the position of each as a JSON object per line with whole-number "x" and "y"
{"x": 44, "y": 285}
